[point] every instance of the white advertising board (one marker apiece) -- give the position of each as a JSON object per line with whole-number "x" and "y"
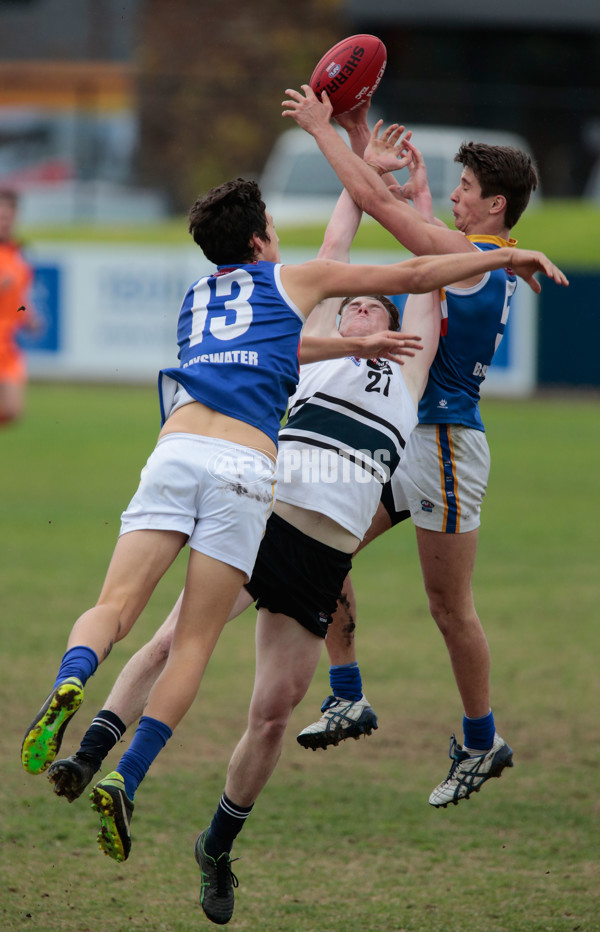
{"x": 111, "y": 314}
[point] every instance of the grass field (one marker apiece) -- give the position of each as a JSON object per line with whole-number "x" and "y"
{"x": 343, "y": 840}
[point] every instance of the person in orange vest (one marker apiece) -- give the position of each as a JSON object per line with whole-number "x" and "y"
{"x": 16, "y": 311}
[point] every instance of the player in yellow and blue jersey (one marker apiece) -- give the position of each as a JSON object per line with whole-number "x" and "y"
{"x": 445, "y": 469}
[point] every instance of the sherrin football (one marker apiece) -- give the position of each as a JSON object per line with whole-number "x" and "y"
{"x": 350, "y": 71}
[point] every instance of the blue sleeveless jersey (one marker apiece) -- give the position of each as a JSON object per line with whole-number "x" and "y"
{"x": 473, "y": 323}
{"x": 238, "y": 336}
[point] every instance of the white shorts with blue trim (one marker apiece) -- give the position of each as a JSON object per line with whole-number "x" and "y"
{"x": 444, "y": 474}
{"x": 218, "y": 493}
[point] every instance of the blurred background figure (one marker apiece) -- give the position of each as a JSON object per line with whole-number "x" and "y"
{"x": 16, "y": 311}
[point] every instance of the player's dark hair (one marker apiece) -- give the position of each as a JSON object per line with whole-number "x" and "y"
{"x": 502, "y": 170}
{"x": 223, "y": 221}
{"x": 390, "y": 307}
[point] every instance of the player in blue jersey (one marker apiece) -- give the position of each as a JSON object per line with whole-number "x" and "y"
{"x": 210, "y": 480}
{"x": 445, "y": 469}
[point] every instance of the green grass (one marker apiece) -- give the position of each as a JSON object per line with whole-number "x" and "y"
{"x": 566, "y": 230}
{"x": 344, "y": 840}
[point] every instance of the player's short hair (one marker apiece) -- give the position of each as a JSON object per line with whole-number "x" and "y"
{"x": 223, "y": 221}
{"x": 502, "y": 170}
{"x": 390, "y": 307}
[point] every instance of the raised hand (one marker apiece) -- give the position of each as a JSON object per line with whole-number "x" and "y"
{"x": 417, "y": 182}
{"x": 354, "y": 119}
{"x": 388, "y": 344}
{"x": 388, "y": 152}
{"x": 526, "y": 262}
{"x": 306, "y": 109}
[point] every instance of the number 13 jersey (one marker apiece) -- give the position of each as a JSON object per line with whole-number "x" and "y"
{"x": 238, "y": 336}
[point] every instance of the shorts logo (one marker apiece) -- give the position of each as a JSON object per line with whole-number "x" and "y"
{"x": 426, "y": 505}
{"x": 243, "y": 467}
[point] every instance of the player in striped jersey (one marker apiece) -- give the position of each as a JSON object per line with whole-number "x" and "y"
{"x": 445, "y": 469}
{"x": 213, "y": 454}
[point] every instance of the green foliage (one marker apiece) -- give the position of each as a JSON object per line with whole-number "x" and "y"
{"x": 343, "y": 840}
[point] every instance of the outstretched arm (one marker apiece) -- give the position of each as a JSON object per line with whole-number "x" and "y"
{"x": 387, "y": 344}
{"x": 310, "y": 282}
{"x": 364, "y": 183}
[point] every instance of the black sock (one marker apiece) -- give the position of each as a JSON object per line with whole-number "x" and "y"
{"x": 101, "y": 737}
{"x": 227, "y": 823}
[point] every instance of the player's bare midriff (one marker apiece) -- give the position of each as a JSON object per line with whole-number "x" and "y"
{"x": 196, "y": 418}
{"x": 318, "y": 526}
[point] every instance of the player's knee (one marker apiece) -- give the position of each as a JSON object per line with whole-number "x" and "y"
{"x": 452, "y": 616}
{"x": 268, "y": 727}
{"x": 269, "y": 715}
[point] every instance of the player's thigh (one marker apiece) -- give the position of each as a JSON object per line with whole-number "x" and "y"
{"x": 380, "y": 523}
{"x": 139, "y": 561}
{"x": 287, "y": 655}
{"x": 211, "y": 589}
{"x": 447, "y": 563}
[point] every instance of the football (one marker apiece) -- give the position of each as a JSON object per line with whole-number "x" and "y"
{"x": 350, "y": 71}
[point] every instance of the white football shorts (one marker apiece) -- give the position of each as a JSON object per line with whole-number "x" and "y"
{"x": 218, "y": 493}
{"x": 443, "y": 474}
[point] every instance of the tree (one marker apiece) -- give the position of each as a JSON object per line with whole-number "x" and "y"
{"x": 212, "y": 75}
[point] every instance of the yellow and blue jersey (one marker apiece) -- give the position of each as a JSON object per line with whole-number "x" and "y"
{"x": 473, "y": 324}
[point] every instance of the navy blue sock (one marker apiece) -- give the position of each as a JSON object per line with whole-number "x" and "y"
{"x": 345, "y": 681}
{"x": 149, "y": 740}
{"x": 227, "y": 823}
{"x": 101, "y": 737}
{"x": 79, "y": 661}
{"x": 479, "y": 732}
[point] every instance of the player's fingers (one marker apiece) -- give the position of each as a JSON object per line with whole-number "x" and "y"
{"x": 397, "y": 128}
{"x": 390, "y": 130}
{"x": 533, "y": 284}
{"x": 559, "y": 277}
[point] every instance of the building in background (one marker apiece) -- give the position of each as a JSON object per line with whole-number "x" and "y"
{"x": 69, "y": 123}
{"x": 200, "y": 99}
{"x": 518, "y": 66}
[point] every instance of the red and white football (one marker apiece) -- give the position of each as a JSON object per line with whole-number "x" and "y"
{"x": 350, "y": 71}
